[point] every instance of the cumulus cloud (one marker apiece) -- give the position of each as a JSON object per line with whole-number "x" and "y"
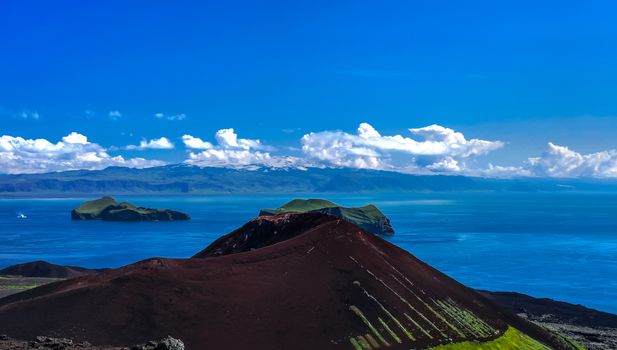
{"x": 172, "y": 117}
{"x": 19, "y": 155}
{"x": 434, "y": 148}
{"x": 235, "y": 152}
{"x": 560, "y": 161}
{"x": 75, "y": 138}
{"x": 195, "y": 142}
{"x": 448, "y": 164}
{"x": 226, "y": 139}
{"x": 160, "y": 143}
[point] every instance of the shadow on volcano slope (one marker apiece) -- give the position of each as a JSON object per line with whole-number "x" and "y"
{"x": 292, "y": 281}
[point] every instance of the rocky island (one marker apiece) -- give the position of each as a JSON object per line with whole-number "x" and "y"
{"x": 368, "y": 217}
{"x": 108, "y": 209}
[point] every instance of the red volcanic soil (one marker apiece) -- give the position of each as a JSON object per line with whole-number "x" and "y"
{"x": 294, "y": 281}
{"x": 262, "y": 232}
{"x": 45, "y": 269}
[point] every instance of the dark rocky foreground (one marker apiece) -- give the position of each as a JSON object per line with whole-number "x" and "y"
{"x": 307, "y": 281}
{"x": 594, "y": 330}
{"x": 49, "y": 343}
{"x": 591, "y": 338}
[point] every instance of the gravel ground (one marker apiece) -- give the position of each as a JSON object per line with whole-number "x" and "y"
{"x": 591, "y": 338}
{"x": 48, "y": 343}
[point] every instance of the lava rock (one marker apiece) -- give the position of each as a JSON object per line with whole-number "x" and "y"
{"x": 167, "y": 343}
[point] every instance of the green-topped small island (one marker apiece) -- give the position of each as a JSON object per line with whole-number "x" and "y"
{"x": 108, "y": 209}
{"x": 368, "y": 217}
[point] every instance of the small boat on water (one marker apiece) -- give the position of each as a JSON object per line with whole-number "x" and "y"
{"x": 21, "y": 216}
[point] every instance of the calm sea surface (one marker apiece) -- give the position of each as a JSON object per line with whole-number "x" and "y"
{"x": 557, "y": 245}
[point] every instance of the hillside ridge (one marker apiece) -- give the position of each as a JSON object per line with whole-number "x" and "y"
{"x": 331, "y": 285}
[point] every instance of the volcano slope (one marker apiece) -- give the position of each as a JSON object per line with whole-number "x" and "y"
{"x": 292, "y": 281}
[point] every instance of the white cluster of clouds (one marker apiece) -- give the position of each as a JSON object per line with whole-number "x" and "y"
{"x": 231, "y": 151}
{"x": 560, "y": 161}
{"x": 434, "y": 148}
{"x": 73, "y": 152}
{"x": 430, "y": 149}
{"x": 160, "y": 143}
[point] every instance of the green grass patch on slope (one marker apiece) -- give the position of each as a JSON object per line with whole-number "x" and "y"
{"x": 17, "y": 286}
{"x": 512, "y": 339}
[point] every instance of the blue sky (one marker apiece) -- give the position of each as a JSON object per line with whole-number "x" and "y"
{"x": 524, "y": 73}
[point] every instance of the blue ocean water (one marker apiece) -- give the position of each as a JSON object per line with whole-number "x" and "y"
{"x": 557, "y": 245}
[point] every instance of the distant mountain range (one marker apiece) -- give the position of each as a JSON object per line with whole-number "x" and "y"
{"x": 187, "y": 179}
